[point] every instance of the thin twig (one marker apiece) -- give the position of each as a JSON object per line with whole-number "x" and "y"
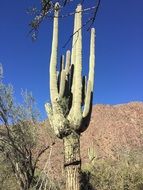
{"x": 48, "y": 8}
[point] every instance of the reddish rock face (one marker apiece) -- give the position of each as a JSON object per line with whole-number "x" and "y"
{"x": 112, "y": 129}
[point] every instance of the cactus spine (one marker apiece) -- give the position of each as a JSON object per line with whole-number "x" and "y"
{"x": 70, "y": 92}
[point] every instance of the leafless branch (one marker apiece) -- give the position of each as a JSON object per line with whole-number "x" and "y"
{"x": 42, "y": 151}
{"x": 92, "y": 19}
{"x": 48, "y": 9}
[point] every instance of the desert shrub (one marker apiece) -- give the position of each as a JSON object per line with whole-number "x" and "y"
{"x": 125, "y": 173}
{"x": 7, "y": 179}
{"x": 44, "y": 182}
{"x": 19, "y": 153}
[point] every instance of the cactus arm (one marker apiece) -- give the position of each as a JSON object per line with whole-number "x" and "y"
{"x": 67, "y": 67}
{"x": 77, "y": 95}
{"x": 75, "y": 115}
{"x": 91, "y": 75}
{"x": 49, "y": 111}
{"x": 73, "y": 52}
{"x": 87, "y": 100}
{"x": 53, "y": 61}
{"x": 51, "y": 117}
{"x": 92, "y": 58}
{"x": 62, "y": 83}
{"x": 92, "y": 154}
{"x": 57, "y": 119}
{"x": 67, "y": 70}
{"x": 62, "y": 78}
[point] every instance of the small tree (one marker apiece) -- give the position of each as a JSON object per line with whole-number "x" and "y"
{"x": 71, "y": 97}
{"x": 18, "y": 135}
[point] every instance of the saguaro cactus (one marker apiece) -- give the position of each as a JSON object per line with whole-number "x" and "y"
{"x": 71, "y": 97}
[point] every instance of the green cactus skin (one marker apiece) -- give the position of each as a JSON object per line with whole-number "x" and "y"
{"x": 71, "y": 97}
{"x": 67, "y": 67}
{"x": 53, "y": 60}
{"x": 62, "y": 83}
{"x": 75, "y": 115}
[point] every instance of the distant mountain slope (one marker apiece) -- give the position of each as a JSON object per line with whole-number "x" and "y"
{"x": 112, "y": 129}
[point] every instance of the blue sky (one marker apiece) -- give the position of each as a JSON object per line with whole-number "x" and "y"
{"x": 119, "y": 51}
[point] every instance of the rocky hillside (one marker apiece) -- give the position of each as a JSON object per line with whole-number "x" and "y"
{"x": 112, "y": 129}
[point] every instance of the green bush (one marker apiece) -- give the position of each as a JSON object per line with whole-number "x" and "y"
{"x": 124, "y": 173}
{"x": 7, "y": 179}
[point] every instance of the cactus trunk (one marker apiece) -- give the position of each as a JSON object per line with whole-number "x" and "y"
{"x": 72, "y": 161}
